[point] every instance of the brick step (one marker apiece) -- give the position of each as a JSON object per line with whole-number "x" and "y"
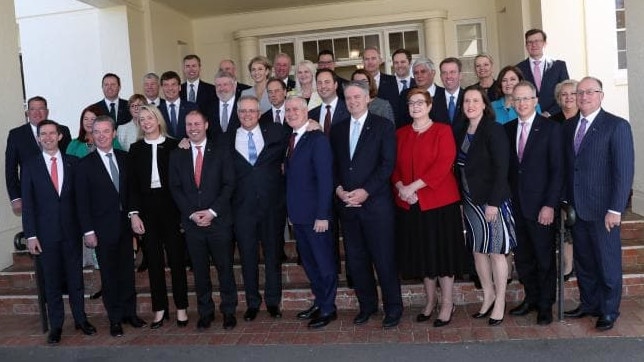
{"x": 299, "y": 299}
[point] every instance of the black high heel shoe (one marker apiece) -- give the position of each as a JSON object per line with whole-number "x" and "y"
{"x": 494, "y": 322}
{"x": 182, "y": 323}
{"x": 441, "y": 323}
{"x": 422, "y": 317}
{"x": 158, "y": 324}
{"x": 479, "y": 315}
{"x": 569, "y": 275}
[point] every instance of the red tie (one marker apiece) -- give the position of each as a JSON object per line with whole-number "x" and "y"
{"x": 291, "y": 145}
{"x": 54, "y": 172}
{"x": 198, "y": 166}
{"x": 327, "y": 120}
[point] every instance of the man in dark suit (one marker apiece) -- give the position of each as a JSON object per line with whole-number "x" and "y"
{"x": 151, "y": 87}
{"x": 402, "y": 69}
{"x": 545, "y": 73}
{"x": 333, "y": 109}
{"x": 195, "y": 90}
{"x": 309, "y": 191}
{"x": 448, "y": 102}
{"x": 386, "y": 84}
{"x": 22, "y": 144}
{"x": 281, "y": 70}
{"x": 224, "y": 118}
{"x": 599, "y": 164}
{"x": 277, "y": 96}
{"x": 364, "y": 152}
{"x": 112, "y": 105}
{"x": 258, "y": 154}
{"x": 227, "y": 65}
{"x": 536, "y": 181}
{"x": 173, "y": 108}
{"x": 101, "y": 185}
{"x": 326, "y": 60}
{"x": 51, "y": 227}
{"x": 202, "y": 180}
{"x": 424, "y": 73}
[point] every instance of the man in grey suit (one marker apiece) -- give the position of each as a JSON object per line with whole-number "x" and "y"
{"x": 599, "y": 160}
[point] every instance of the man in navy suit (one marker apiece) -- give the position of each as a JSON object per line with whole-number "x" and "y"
{"x": 309, "y": 193}
{"x": 402, "y": 69}
{"x": 536, "y": 180}
{"x": 195, "y": 90}
{"x": 281, "y": 70}
{"x": 364, "y": 152}
{"x": 101, "y": 185}
{"x": 333, "y": 109}
{"x": 51, "y": 227}
{"x": 599, "y": 164}
{"x": 228, "y": 65}
{"x": 22, "y": 144}
{"x": 202, "y": 180}
{"x": 386, "y": 84}
{"x": 258, "y": 155}
{"x": 545, "y": 73}
{"x": 115, "y": 107}
{"x": 151, "y": 87}
{"x": 447, "y": 104}
{"x": 174, "y": 109}
{"x": 224, "y": 118}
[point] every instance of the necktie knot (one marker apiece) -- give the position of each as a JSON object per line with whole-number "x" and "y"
{"x": 191, "y": 95}
{"x": 404, "y": 83}
{"x": 278, "y": 119}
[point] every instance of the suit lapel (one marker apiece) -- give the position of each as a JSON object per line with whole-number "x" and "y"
{"x": 533, "y": 136}
{"x": 592, "y": 131}
{"x": 364, "y": 135}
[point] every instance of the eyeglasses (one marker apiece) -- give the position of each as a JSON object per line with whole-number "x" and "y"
{"x": 524, "y": 99}
{"x": 416, "y": 103}
{"x": 588, "y": 92}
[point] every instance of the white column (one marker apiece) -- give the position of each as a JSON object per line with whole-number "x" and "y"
{"x": 435, "y": 39}
{"x": 248, "y": 48}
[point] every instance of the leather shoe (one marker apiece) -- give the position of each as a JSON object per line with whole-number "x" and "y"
{"x": 310, "y": 313}
{"x": 479, "y": 315}
{"x": 421, "y": 317}
{"x": 390, "y": 321}
{"x": 274, "y": 311}
{"x": 576, "y": 313}
{"x": 158, "y": 324}
{"x": 135, "y": 321}
{"x": 362, "y": 317}
{"x": 87, "y": 328}
{"x": 494, "y": 322}
{"x": 116, "y": 330}
{"x": 54, "y": 336}
{"x": 251, "y": 314}
{"x": 522, "y": 309}
{"x": 605, "y": 323}
{"x": 205, "y": 321}
{"x": 544, "y": 317}
{"x": 441, "y": 323}
{"x": 323, "y": 320}
{"x": 230, "y": 321}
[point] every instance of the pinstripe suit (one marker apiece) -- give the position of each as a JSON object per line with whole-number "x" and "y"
{"x": 598, "y": 179}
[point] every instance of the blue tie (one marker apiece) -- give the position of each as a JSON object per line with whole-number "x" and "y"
{"x": 252, "y": 150}
{"x": 452, "y": 108}
{"x": 355, "y": 135}
{"x": 173, "y": 119}
{"x": 404, "y": 83}
{"x": 191, "y": 95}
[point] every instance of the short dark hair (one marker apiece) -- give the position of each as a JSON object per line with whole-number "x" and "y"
{"x": 170, "y": 75}
{"x": 199, "y": 113}
{"x": 326, "y": 70}
{"x": 326, "y": 52}
{"x": 276, "y": 80}
{"x": 402, "y": 51}
{"x": 36, "y": 99}
{"x": 192, "y": 56}
{"x": 451, "y": 60}
{"x": 107, "y": 75}
{"x": 106, "y": 119}
{"x": 531, "y": 32}
{"x": 488, "y": 112}
{"x": 45, "y": 122}
{"x": 503, "y": 71}
{"x": 373, "y": 90}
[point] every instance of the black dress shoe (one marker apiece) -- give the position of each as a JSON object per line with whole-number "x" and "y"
{"x": 544, "y": 317}
{"x": 135, "y": 321}
{"x": 522, "y": 309}
{"x": 251, "y": 314}
{"x": 494, "y": 322}
{"x": 479, "y": 315}
{"x": 323, "y": 320}
{"x": 576, "y": 313}
{"x": 310, "y": 313}
{"x": 87, "y": 328}
{"x": 230, "y": 321}
{"x": 362, "y": 317}
{"x": 391, "y": 320}
{"x": 116, "y": 330}
{"x": 182, "y": 324}
{"x": 54, "y": 336}
{"x": 205, "y": 321}
{"x": 274, "y": 311}
{"x": 158, "y": 324}
{"x": 605, "y": 323}
{"x": 441, "y": 323}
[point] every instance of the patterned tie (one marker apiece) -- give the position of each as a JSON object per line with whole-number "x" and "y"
{"x": 536, "y": 71}
{"x": 452, "y": 108}
{"x": 327, "y": 120}
{"x": 291, "y": 145}
{"x": 198, "y": 166}
{"x": 522, "y": 139}
{"x": 113, "y": 111}
{"x": 114, "y": 172}
{"x": 252, "y": 150}
{"x": 355, "y": 135}
{"x": 404, "y": 84}
{"x": 191, "y": 95}
{"x": 224, "y": 118}
{"x": 581, "y": 132}
{"x": 54, "y": 173}
{"x": 277, "y": 119}
{"x": 173, "y": 118}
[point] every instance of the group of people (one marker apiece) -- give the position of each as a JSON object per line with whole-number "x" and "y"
{"x": 422, "y": 182}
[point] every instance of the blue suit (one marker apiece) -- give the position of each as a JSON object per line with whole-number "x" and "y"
{"x": 536, "y": 181}
{"x": 52, "y": 219}
{"x": 554, "y": 72}
{"x": 369, "y": 230}
{"x": 185, "y": 107}
{"x": 309, "y": 197}
{"x": 598, "y": 179}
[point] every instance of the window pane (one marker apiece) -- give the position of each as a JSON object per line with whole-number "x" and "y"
{"x": 467, "y": 73}
{"x": 356, "y": 46}
{"x": 372, "y": 41}
{"x": 621, "y": 40}
{"x": 326, "y": 44}
{"x": 411, "y": 42}
{"x": 619, "y": 4}
{"x": 621, "y": 19}
{"x": 341, "y": 46}
{"x": 272, "y": 50}
{"x": 310, "y": 49}
{"x": 468, "y": 31}
{"x": 287, "y": 48}
{"x": 395, "y": 42}
{"x": 469, "y": 48}
{"x": 621, "y": 60}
